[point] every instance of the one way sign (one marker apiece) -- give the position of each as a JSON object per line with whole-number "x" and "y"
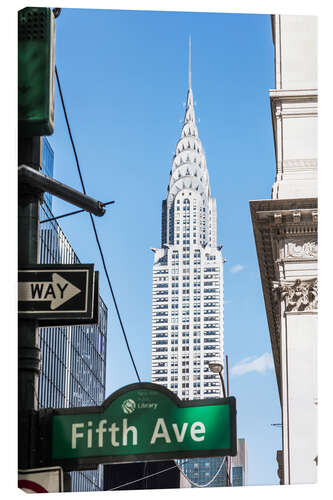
{"x": 57, "y": 291}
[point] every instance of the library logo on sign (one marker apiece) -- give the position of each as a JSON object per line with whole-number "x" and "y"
{"x": 128, "y": 406}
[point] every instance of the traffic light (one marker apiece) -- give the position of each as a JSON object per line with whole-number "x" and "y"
{"x": 36, "y": 64}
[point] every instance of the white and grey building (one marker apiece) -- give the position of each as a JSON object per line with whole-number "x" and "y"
{"x": 188, "y": 275}
{"x": 188, "y": 288}
{"x": 285, "y": 230}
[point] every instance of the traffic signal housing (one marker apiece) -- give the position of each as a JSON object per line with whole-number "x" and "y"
{"x": 36, "y": 66}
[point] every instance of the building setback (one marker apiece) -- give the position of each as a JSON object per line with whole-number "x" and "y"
{"x": 187, "y": 315}
{"x": 72, "y": 357}
{"x": 285, "y": 229}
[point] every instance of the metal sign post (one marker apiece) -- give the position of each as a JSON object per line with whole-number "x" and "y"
{"x": 57, "y": 295}
{"x": 28, "y": 254}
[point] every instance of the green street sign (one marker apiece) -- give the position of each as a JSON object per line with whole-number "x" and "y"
{"x": 143, "y": 422}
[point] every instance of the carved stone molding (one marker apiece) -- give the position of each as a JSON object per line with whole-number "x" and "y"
{"x": 299, "y": 248}
{"x": 274, "y": 228}
{"x": 298, "y": 295}
{"x": 297, "y": 164}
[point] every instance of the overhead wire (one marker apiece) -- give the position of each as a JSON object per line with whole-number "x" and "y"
{"x": 94, "y": 227}
{"x": 209, "y": 482}
{"x": 115, "y": 302}
{"x": 144, "y": 478}
{"x": 85, "y": 475}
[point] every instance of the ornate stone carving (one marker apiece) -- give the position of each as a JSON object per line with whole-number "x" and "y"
{"x": 298, "y": 295}
{"x": 302, "y": 249}
{"x": 277, "y": 218}
{"x": 296, "y": 217}
{"x": 299, "y": 249}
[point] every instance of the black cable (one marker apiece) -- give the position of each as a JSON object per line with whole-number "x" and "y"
{"x": 69, "y": 130}
{"x": 146, "y": 477}
{"x": 114, "y": 299}
{"x": 94, "y": 227}
{"x": 84, "y": 474}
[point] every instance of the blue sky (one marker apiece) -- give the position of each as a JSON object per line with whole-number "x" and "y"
{"x": 124, "y": 80}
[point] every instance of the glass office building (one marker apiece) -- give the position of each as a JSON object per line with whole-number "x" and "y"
{"x": 238, "y": 476}
{"x": 202, "y": 471}
{"x": 73, "y": 357}
{"x": 239, "y": 463}
{"x": 47, "y": 167}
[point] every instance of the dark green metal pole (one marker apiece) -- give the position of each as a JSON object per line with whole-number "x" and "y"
{"x": 228, "y": 458}
{"x": 29, "y": 153}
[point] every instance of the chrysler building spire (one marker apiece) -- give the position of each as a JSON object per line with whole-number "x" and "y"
{"x": 189, "y": 171}
{"x": 188, "y": 273}
{"x": 189, "y": 65}
{"x": 187, "y": 319}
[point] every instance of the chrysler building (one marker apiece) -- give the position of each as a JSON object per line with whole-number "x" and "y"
{"x": 187, "y": 329}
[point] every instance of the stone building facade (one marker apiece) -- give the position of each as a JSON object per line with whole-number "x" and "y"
{"x": 285, "y": 230}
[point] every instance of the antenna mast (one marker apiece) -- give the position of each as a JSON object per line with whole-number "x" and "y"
{"x": 189, "y": 65}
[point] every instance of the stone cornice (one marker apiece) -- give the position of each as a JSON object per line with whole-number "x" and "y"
{"x": 274, "y": 221}
{"x": 284, "y": 204}
{"x": 293, "y": 94}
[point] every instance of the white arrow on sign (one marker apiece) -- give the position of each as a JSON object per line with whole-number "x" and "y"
{"x": 58, "y": 291}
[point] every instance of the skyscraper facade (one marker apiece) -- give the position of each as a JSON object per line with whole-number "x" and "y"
{"x": 47, "y": 167}
{"x": 72, "y": 357}
{"x": 239, "y": 464}
{"x": 187, "y": 326}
